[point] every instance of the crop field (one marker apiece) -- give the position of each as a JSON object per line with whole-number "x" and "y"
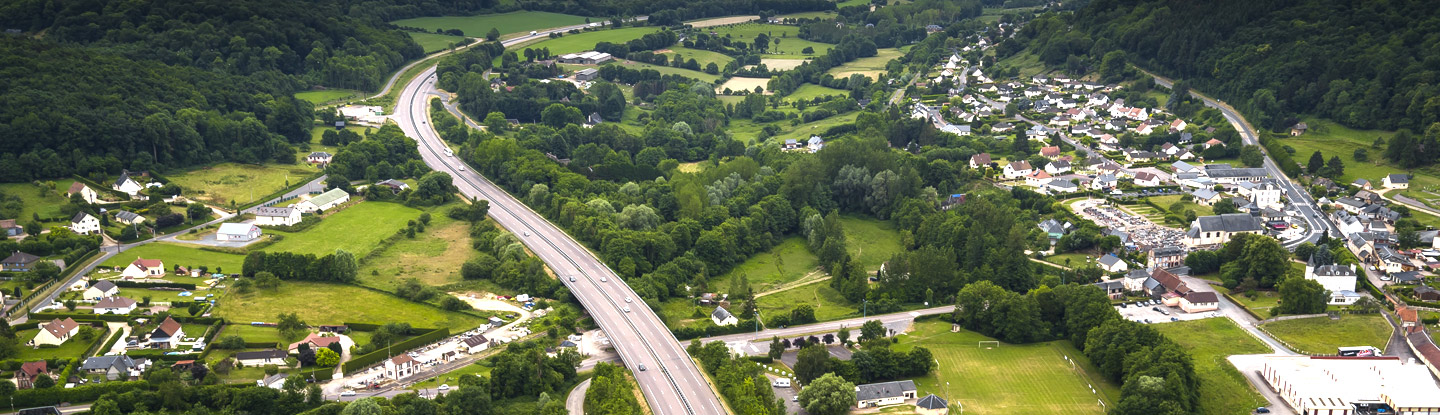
{"x": 1321, "y": 335}
{"x": 720, "y": 21}
{"x": 1223, "y": 390}
{"x": 790, "y": 45}
{"x": 320, "y": 303}
{"x": 665, "y": 70}
{"x": 702, "y": 57}
{"x": 1009, "y": 379}
{"x": 357, "y": 229}
{"x": 505, "y": 23}
{"x": 782, "y": 64}
{"x": 871, "y": 67}
{"x": 432, "y": 42}
{"x": 227, "y": 183}
{"x": 740, "y": 83}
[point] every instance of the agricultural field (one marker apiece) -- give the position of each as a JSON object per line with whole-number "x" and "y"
{"x": 1028, "y": 378}
{"x": 235, "y": 183}
{"x": 811, "y": 91}
{"x": 190, "y": 256}
{"x": 720, "y": 21}
{"x": 809, "y": 15}
{"x": 663, "y": 70}
{"x": 871, "y": 67}
{"x": 775, "y": 64}
{"x": 1321, "y": 335}
{"x": 1223, "y": 390}
{"x": 39, "y": 200}
{"x": 790, "y": 45}
{"x": 740, "y": 83}
{"x": 584, "y": 41}
{"x": 320, "y": 303}
{"x": 703, "y": 57}
{"x": 328, "y": 96}
{"x": 433, "y": 257}
{"x": 505, "y": 23}
{"x": 362, "y": 225}
{"x": 432, "y": 42}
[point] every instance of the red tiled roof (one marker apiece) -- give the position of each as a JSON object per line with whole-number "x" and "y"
{"x": 60, "y": 328}
{"x": 33, "y": 368}
{"x": 148, "y": 263}
{"x": 317, "y": 340}
{"x": 168, "y": 327}
{"x": 1170, "y": 281}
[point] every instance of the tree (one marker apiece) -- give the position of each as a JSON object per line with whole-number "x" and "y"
{"x": 495, "y": 121}
{"x": 338, "y": 181}
{"x": 1251, "y": 156}
{"x": 812, "y": 362}
{"x": 44, "y": 381}
{"x": 1304, "y": 250}
{"x": 290, "y": 325}
{"x": 198, "y": 211}
{"x": 871, "y": 330}
{"x": 367, "y": 406}
{"x": 1301, "y": 296}
{"x": 451, "y": 303}
{"x": 266, "y": 280}
{"x": 1336, "y": 167}
{"x": 843, "y": 334}
{"x": 776, "y": 349}
{"x": 492, "y": 35}
{"x": 828, "y": 395}
{"x": 326, "y": 358}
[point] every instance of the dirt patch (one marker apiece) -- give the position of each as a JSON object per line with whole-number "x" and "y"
{"x": 721, "y": 21}
{"x": 745, "y": 84}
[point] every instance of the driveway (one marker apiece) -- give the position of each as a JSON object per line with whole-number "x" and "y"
{"x": 317, "y": 185}
{"x": 1250, "y": 366}
{"x": 575, "y": 403}
{"x": 119, "y": 347}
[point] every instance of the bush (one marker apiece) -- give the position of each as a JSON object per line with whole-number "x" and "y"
{"x": 230, "y": 343}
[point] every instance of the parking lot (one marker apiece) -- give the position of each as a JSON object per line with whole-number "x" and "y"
{"x": 1153, "y": 311}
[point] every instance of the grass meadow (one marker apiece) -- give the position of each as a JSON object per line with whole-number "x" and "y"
{"x": 811, "y": 91}
{"x": 432, "y": 42}
{"x": 1321, "y": 335}
{"x": 328, "y": 96}
{"x": 357, "y": 229}
{"x": 433, "y": 257}
{"x": 1223, "y": 390}
{"x": 505, "y": 23}
{"x": 39, "y": 200}
{"x": 173, "y": 254}
{"x": 790, "y": 46}
{"x": 321, "y": 303}
{"x": 225, "y": 183}
{"x": 872, "y": 67}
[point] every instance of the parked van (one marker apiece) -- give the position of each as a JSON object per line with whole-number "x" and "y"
{"x": 781, "y": 383}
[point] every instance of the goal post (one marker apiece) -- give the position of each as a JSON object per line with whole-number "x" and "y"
{"x": 989, "y": 344}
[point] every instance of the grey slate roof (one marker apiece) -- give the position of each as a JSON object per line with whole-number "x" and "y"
{"x": 1233, "y": 222}
{"x": 1334, "y": 270}
{"x": 274, "y": 211}
{"x": 126, "y": 216}
{"x": 1109, "y": 260}
{"x": 1399, "y": 178}
{"x": 120, "y": 363}
{"x": 883, "y": 390}
{"x": 103, "y": 285}
{"x": 721, "y": 313}
{"x": 932, "y": 402}
{"x": 1241, "y": 172}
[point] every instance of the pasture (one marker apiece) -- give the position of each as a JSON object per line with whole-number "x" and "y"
{"x": 827, "y": 302}
{"x": 433, "y": 257}
{"x": 703, "y": 57}
{"x": 38, "y": 200}
{"x": 790, "y": 46}
{"x": 321, "y": 303}
{"x": 357, "y": 229}
{"x": 432, "y": 42}
{"x": 584, "y": 41}
{"x": 872, "y": 67}
{"x": 1223, "y": 390}
{"x": 720, "y": 21}
{"x": 190, "y": 256}
{"x": 505, "y": 23}
{"x": 1321, "y": 335}
{"x": 781, "y": 64}
{"x": 227, "y": 183}
{"x": 740, "y": 83}
{"x": 1012, "y": 378}
{"x": 329, "y": 96}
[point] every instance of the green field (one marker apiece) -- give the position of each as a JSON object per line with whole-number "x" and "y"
{"x": 1261, "y": 305}
{"x": 1028, "y": 64}
{"x": 432, "y": 42}
{"x": 663, "y": 70}
{"x": 319, "y": 303}
{"x": 702, "y": 57}
{"x": 452, "y": 378}
{"x": 505, "y": 23}
{"x": 828, "y": 303}
{"x": 789, "y": 47}
{"x": 1077, "y": 260}
{"x": 328, "y": 96}
{"x": 1332, "y": 139}
{"x": 1223, "y": 390}
{"x": 786, "y": 262}
{"x": 1321, "y": 335}
{"x": 227, "y": 183}
{"x": 809, "y": 15}
{"x": 1165, "y": 201}
{"x": 870, "y": 241}
{"x": 358, "y": 229}
{"x": 253, "y": 334}
{"x": 584, "y": 41}
{"x": 872, "y": 67}
{"x": 1009, "y": 379}
{"x": 811, "y": 91}
{"x": 433, "y": 257}
{"x": 39, "y": 200}
{"x": 190, "y": 256}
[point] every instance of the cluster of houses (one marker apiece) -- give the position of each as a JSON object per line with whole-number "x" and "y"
{"x": 813, "y": 144}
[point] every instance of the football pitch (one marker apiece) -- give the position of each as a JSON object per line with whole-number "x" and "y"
{"x": 1008, "y": 379}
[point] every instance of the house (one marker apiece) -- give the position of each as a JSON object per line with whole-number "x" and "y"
{"x": 1298, "y": 129}
{"x": 313, "y": 341}
{"x": 400, "y": 367}
{"x": 815, "y": 143}
{"x": 144, "y": 268}
{"x": 1002, "y": 127}
{"x": 1037, "y": 178}
{"x": 1050, "y": 151}
{"x": 722, "y": 317}
{"x": 114, "y": 305}
{"x": 1112, "y": 263}
{"x": 277, "y": 216}
{"x": 84, "y": 224}
{"x": 237, "y": 232}
{"x": 1178, "y": 125}
{"x": 1104, "y": 181}
{"x": 790, "y": 144}
{"x": 883, "y": 394}
{"x": 324, "y": 201}
{"x": 1407, "y": 277}
{"x": 112, "y": 367}
{"x": 1162, "y": 282}
{"x": 1052, "y": 228}
{"x": 1199, "y": 302}
{"x": 1166, "y": 257}
{"x": 319, "y": 157}
{"x": 1056, "y": 187}
{"x": 9, "y": 227}
{"x": 1135, "y": 280}
{"x": 1362, "y": 183}
{"x": 167, "y": 335}
{"x": 1017, "y": 169}
{"x": 957, "y": 129}
{"x": 275, "y": 381}
{"x": 85, "y": 192}
{"x": 587, "y": 74}
{"x": 55, "y": 333}
{"x": 129, "y": 218}
{"x": 1217, "y": 229}
{"x": 979, "y": 160}
{"x": 1057, "y": 167}
{"x": 1115, "y": 289}
{"x": 476, "y": 344}
{"x": 1397, "y": 181}
{"x": 1214, "y": 142}
{"x": 1140, "y": 156}
{"x": 1425, "y": 293}
{"x": 593, "y": 120}
{"x": 1147, "y": 179}
{"x": 1206, "y": 196}
{"x": 1266, "y": 195}
{"x": 127, "y": 185}
{"x": 261, "y": 358}
{"x": 395, "y": 186}
{"x": 101, "y": 289}
{"x": 19, "y": 262}
{"x": 931, "y": 405}
{"x": 1387, "y": 259}
{"x": 25, "y": 377}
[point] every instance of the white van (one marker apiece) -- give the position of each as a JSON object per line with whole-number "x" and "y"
{"x": 781, "y": 383}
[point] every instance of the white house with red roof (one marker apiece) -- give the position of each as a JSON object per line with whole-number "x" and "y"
{"x": 400, "y": 367}
{"x": 56, "y": 332}
{"x": 144, "y": 268}
{"x": 315, "y": 340}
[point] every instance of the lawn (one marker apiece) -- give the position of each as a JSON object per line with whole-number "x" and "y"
{"x": 432, "y": 42}
{"x": 663, "y": 70}
{"x": 1223, "y": 390}
{"x": 827, "y": 302}
{"x": 38, "y": 200}
{"x": 1261, "y": 305}
{"x": 1321, "y": 335}
{"x": 811, "y": 91}
{"x": 190, "y": 256}
{"x": 790, "y": 45}
{"x": 870, "y": 241}
{"x": 327, "y": 96}
{"x": 702, "y": 57}
{"x": 585, "y": 41}
{"x": 357, "y": 229}
{"x": 1023, "y": 379}
{"x": 433, "y": 257}
{"x": 319, "y": 303}
{"x": 452, "y": 378}
{"x": 786, "y": 262}
{"x": 1077, "y": 260}
{"x": 1165, "y": 201}
{"x": 505, "y": 23}
{"x": 872, "y": 67}
{"x": 70, "y": 349}
{"x": 253, "y": 334}
{"x": 234, "y": 183}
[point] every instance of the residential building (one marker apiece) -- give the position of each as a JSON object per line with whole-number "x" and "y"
{"x": 168, "y": 335}
{"x": 1298, "y": 129}
{"x": 400, "y": 367}
{"x": 144, "y": 268}
{"x": 1147, "y": 179}
{"x": 1397, "y": 181}
{"x": 85, "y": 192}
{"x": 84, "y": 224}
{"x": 1135, "y": 280}
{"x": 114, "y": 305}
{"x": 883, "y": 394}
{"x": 277, "y": 216}
{"x": 815, "y": 143}
{"x": 1037, "y": 178}
{"x": 237, "y": 232}
{"x": 275, "y": 381}
{"x": 1057, "y": 167}
{"x": 1206, "y": 196}
{"x": 128, "y": 217}
{"x": 1056, "y": 187}
{"x": 722, "y": 317}
{"x": 25, "y": 377}
{"x": 1362, "y": 183}
{"x": 1112, "y": 263}
{"x": 261, "y": 358}
{"x": 1166, "y": 257}
{"x": 19, "y": 262}
{"x": 1216, "y": 230}
{"x": 324, "y": 201}
{"x": 1050, "y": 151}
{"x": 1338, "y": 279}
{"x": 979, "y": 160}
{"x": 1199, "y": 302}
{"x": 1017, "y": 169}
{"x": 1104, "y": 181}
{"x": 1115, "y": 289}
{"x": 112, "y": 367}
{"x": 1266, "y": 195}
{"x": 319, "y": 157}
{"x": 1053, "y": 228}
{"x": 127, "y": 184}
{"x": 55, "y": 332}
{"x": 313, "y": 341}
{"x": 1352, "y": 385}
{"x": 101, "y": 289}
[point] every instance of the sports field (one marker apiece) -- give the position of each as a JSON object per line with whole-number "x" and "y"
{"x": 432, "y": 42}
{"x": 319, "y": 303}
{"x": 225, "y": 183}
{"x": 357, "y": 229}
{"x": 1223, "y": 390}
{"x": 506, "y": 23}
{"x": 1008, "y": 379}
{"x": 1321, "y": 335}
{"x": 872, "y": 67}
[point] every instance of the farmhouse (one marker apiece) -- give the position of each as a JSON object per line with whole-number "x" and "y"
{"x": 55, "y": 333}
{"x": 277, "y": 216}
{"x": 112, "y": 367}
{"x": 84, "y": 224}
{"x": 585, "y": 58}
{"x": 399, "y": 367}
{"x": 324, "y": 201}
{"x": 722, "y": 317}
{"x": 19, "y": 262}
{"x": 85, "y": 192}
{"x": 261, "y": 358}
{"x": 114, "y": 305}
{"x": 101, "y": 289}
{"x": 144, "y": 268}
{"x": 237, "y": 232}
{"x": 167, "y": 335}
{"x": 882, "y": 394}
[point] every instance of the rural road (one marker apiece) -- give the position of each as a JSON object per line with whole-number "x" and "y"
{"x": 575, "y": 403}
{"x": 671, "y": 382}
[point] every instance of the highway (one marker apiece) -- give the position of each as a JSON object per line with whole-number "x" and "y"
{"x": 669, "y": 379}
